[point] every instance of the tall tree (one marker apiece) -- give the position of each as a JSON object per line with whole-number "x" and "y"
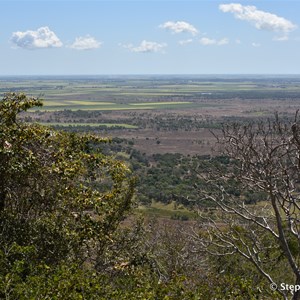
{"x": 60, "y": 198}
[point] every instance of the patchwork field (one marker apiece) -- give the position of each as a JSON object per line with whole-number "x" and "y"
{"x": 157, "y": 114}
{"x": 50, "y": 105}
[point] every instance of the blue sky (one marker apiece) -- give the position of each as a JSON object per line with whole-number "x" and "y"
{"x": 149, "y": 37}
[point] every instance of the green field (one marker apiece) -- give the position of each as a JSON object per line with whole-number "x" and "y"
{"x": 144, "y": 86}
{"x": 111, "y": 93}
{"x": 160, "y": 103}
{"x": 109, "y": 106}
{"x": 169, "y": 211}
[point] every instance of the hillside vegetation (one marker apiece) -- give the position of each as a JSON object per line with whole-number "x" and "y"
{"x": 83, "y": 216}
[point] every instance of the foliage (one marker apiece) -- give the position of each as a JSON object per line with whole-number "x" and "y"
{"x": 62, "y": 228}
{"x": 60, "y": 200}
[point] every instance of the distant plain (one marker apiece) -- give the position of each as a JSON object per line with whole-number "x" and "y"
{"x": 159, "y": 114}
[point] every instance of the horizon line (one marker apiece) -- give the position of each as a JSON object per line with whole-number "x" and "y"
{"x": 153, "y": 74}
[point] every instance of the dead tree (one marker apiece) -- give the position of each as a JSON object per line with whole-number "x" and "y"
{"x": 263, "y": 157}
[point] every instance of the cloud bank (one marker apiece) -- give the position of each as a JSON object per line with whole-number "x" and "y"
{"x": 85, "y": 43}
{"x": 179, "y": 27}
{"x": 43, "y": 37}
{"x": 262, "y": 20}
{"x": 146, "y": 47}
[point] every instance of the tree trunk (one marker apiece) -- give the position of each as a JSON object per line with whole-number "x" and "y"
{"x": 2, "y": 192}
{"x": 2, "y": 200}
{"x": 296, "y": 295}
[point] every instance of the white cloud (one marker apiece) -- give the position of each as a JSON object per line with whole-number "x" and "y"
{"x": 85, "y": 43}
{"x": 281, "y": 38}
{"x": 207, "y": 41}
{"x": 185, "y": 42}
{"x": 261, "y": 19}
{"x": 256, "y": 45}
{"x": 146, "y": 47}
{"x": 179, "y": 27}
{"x": 43, "y": 37}
{"x": 221, "y": 42}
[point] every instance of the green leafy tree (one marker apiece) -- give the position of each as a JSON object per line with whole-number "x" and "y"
{"x": 60, "y": 199}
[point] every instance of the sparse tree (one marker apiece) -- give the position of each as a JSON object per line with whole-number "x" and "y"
{"x": 263, "y": 157}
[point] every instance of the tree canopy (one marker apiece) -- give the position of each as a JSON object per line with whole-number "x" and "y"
{"x": 61, "y": 200}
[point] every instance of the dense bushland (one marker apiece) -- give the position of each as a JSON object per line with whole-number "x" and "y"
{"x": 62, "y": 204}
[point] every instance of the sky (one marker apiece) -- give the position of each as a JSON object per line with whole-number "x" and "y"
{"x": 85, "y": 37}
